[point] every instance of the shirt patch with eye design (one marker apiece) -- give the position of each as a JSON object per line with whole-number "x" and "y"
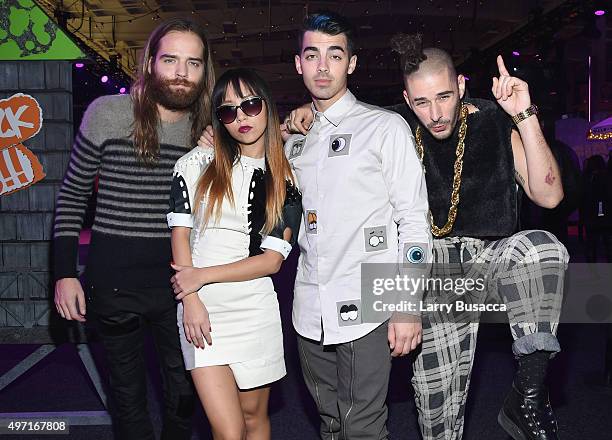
{"x": 349, "y": 312}
{"x": 339, "y": 145}
{"x": 415, "y": 254}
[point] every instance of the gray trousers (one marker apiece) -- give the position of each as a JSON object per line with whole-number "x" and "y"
{"x": 526, "y": 271}
{"x": 349, "y": 384}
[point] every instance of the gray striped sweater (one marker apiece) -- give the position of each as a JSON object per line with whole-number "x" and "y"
{"x": 130, "y": 241}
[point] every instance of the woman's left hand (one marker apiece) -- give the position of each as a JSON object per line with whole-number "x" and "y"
{"x": 187, "y": 280}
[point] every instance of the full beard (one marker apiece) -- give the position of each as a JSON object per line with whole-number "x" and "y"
{"x": 175, "y": 99}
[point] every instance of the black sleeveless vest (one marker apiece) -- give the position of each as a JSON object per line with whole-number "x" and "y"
{"x": 488, "y": 197}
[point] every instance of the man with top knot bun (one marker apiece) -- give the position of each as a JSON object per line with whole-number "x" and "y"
{"x": 475, "y": 152}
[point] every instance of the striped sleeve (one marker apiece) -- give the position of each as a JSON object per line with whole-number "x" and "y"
{"x": 75, "y": 191}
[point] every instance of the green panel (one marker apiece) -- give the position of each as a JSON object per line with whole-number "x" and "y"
{"x": 26, "y": 33}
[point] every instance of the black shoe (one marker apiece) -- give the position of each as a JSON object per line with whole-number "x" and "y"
{"x": 528, "y": 416}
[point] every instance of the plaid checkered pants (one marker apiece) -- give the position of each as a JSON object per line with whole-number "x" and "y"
{"x": 525, "y": 272}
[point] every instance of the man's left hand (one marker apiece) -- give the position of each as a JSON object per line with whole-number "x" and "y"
{"x": 207, "y": 140}
{"x": 298, "y": 121}
{"x": 405, "y": 333}
{"x": 511, "y": 93}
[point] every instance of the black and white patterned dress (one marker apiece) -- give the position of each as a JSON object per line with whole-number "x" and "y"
{"x": 245, "y": 320}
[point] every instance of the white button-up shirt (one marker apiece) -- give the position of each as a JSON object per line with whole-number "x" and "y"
{"x": 364, "y": 197}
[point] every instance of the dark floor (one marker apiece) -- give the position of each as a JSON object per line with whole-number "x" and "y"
{"x": 584, "y": 409}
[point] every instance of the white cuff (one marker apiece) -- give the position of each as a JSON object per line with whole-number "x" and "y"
{"x": 276, "y": 244}
{"x": 179, "y": 219}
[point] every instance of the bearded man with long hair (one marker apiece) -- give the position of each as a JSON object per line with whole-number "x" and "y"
{"x": 131, "y": 144}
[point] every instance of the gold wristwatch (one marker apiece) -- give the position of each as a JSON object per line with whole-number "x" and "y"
{"x": 521, "y": 116}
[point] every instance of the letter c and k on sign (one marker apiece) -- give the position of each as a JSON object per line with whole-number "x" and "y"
{"x": 20, "y": 119}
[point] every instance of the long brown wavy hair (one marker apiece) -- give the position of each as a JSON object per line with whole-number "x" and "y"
{"x": 216, "y": 181}
{"x": 146, "y": 116}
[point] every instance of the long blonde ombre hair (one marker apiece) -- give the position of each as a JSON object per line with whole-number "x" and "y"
{"x": 216, "y": 181}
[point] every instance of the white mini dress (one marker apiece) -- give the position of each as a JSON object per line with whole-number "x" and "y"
{"x": 244, "y": 316}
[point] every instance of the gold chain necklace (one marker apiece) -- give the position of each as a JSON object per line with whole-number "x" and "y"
{"x": 458, "y": 168}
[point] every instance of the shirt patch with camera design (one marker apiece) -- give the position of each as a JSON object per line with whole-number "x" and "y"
{"x": 375, "y": 238}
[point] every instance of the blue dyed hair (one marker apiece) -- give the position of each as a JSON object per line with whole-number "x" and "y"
{"x": 328, "y": 23}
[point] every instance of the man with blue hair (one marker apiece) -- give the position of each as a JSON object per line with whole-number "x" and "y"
{"x": 375, "y": 213}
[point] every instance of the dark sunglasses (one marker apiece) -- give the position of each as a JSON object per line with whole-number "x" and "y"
{"x": 250, "y": 106}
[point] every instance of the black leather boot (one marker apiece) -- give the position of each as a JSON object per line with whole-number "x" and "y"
{"x": 526, "y": 413}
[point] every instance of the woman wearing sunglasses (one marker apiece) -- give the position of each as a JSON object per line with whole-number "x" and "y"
{"x": 234, "y": 216}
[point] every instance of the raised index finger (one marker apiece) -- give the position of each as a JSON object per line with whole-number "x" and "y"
{"x": 501, "y": 66}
